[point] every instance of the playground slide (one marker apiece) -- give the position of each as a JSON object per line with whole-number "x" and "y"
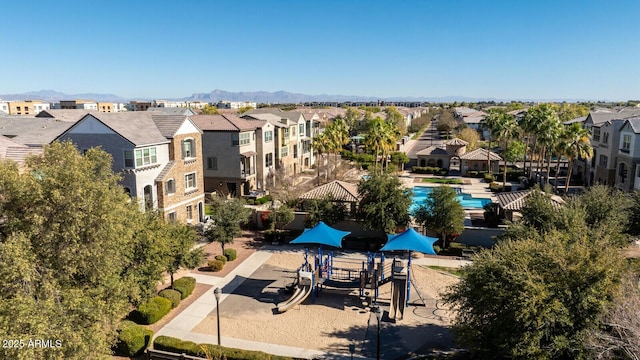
{"x": 301, "y": 293}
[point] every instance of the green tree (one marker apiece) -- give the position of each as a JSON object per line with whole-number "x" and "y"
{"x": 491, "y": 121}
{"x": 470, "y": 136}
{"x": 441, "y": 212}
{"x": 381, "y": 137}
{"x": 244, "y": 109}
{"x": 326, "y": 210}
{"x": 321, "y": 144}
{"x": 395, "y": 117}
{"x": 68, "y": 254}
{"x": 506, "y": 129}
{"x": 634, "y": 213}
{"x": 539, "y": 211}
{"x": 227, "y": 216}
{"x": 210, "y": 110}
{"x": 533, "y": 299}
{"x": 181, "y": 240}
{"x": 515, "y": 151}
{"x": 446, "y": 122}
{"x": 337, "y": 135}
{"x": 384, "y": 203}
{"x": 577, "y": 146}
{"x": 279, "y": 218}
{"x": 352, "y": 117}
{"x": 399, "y": 158}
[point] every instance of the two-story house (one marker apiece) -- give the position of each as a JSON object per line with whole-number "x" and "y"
{"x": 628, "y": 159}
{"x": 229, "y": 152}
{"x": 157, "y": 155}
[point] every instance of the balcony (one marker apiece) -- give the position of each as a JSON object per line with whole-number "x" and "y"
{"x": 624, "y": 151}
{"x": 244, "y": 173}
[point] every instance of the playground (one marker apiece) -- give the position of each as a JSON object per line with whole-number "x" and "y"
{"x": 334, "y": 319}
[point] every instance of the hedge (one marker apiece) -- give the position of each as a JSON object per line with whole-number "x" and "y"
{"x": 174, "y": 345}
{"x": 152, "y": 311}
{"x": 172, "y": 295}
{"x": 221, "y": 258}
{"x": 488, "y": 177}
{"x": 495, "y": 187}
{"x": 133, "y": 339}
{"x": 231, "y": 254}
{"x": 185, "y": 286}
{"x": 216, "y": 265}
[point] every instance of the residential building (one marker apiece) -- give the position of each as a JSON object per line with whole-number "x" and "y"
{"x": 169, "y": 104}
{"x": 628, "y": 159}
{"x": 26, "y": 107}
{"x": 13, "y": 151}
{"x": 66, "y": 115}
{"x": 33, "y": 132}
{"x": 229, "y": 148}
{"x": 172, "y": 111}
{"x": 158, "y": 156}
{"x": 79, "y": 104}
{"x": 139, "y": 105}
{"x": 226, "y": 104}
{"x": 473, "y": 118}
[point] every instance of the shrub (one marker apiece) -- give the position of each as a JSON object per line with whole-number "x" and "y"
{"x": 221, "y": 258}
{"x": 152, "y": 311}
{"x": 251, "y": 202}
{"x": 495, "y": 187}
{"x": 133, "y": 339}
{"x": 174, "y": 345}
{"x": 185, "y": 286}
{"x": 231, "y": 254}
{"x": 488, "y": 177}
{"x": 216, "y": 265}
{"x": 428, "y": 170}
{"x": 172, "y": 295}
{"x": 263, "y": 200}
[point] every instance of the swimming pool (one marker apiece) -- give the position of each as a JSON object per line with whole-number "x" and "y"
{"x": 420, "y": 193}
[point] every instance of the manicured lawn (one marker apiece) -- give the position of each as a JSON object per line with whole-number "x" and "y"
{"x": 442, "y": 181}
{"x": 453, "y": 271}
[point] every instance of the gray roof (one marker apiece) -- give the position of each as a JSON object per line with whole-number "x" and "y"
{"x": 12, "y": 150}
{"x": 224, "y": 123}
{"x": 172, "y": 111}
{"x": 433, "y": 150}
{"x": 72, "y": 115}
{"x": 581, "y": 119}
{"x": 516, "y": 200}
{"x": 273, "y": 119}
{"x": 165, "y": 171}
{"x": 31, "y": 131}
{"x": 292, "y": 116}
{"x": 480, "y": 154}
{"x": 635, "y": 124}
{"x": 601, "y": 117}
{"x": 456, "y": 141}
{"x": 169, "y": 124}
{"x": 138, "y": 127}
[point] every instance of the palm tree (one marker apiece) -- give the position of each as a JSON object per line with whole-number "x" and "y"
{"x": 337, "y": 136}
{"x": 578, "y": 146}
{"x": 490, "y": 121}
{"x": 321, "y": 145}
{"x": 547, "y": 128}
{"x": 506, "y": 129}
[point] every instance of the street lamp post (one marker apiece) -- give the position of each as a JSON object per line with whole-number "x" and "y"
{"x": 217, "y": 292}
{"x": 378, "y": 312}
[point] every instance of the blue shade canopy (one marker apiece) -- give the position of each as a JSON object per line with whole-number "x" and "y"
{"x": 321, "y": 234}
{"x": 410, "y": 240}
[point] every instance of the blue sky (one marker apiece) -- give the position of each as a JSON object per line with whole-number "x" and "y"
{"x": 539, "y": 49}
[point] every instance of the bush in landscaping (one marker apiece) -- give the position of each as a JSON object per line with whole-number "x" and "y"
{"x": 152, "y": 311}
{"x": 174, "y": 345}
{"x": 263, "y": 200}
{"x": 495, "y": 187}
{"x": 231, "y": 254}
{"x": 133, "y": 339}
{"x": 488, "y": 178}
{"x": 185, "y": 286}
{"x": 172, "y": 295}
{"x": 216, "y": 265}
{"x": 221, "y": 258}
{"x": 428, "y": 170}
{"x": 251, "y": 202}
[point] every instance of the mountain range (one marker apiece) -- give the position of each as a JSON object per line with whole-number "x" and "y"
{"x": 281, "y": 97}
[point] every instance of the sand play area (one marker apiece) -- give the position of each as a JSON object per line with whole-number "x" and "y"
{"x": 338, "y": 321}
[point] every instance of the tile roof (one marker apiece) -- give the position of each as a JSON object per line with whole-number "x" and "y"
{"x": 136, "y": 126}
{"x": 168, "y": 124}
{"x": 32, "y": 131}
{"x": 635, "y": 124}
{"x": 432, "y": 150}
{"x": 338, "y": 190}
{"x": 223, "y": 123}
{"x": 479, "y": 154}
{"x": 516, "y": 200}
{"x": 601, "y": 117}
{"x": 72, "y": 115}
{"x": 273, "y": 119}
{"x": 12, "y": 150}
{"x": 172, "y": 111}
{"x": 456, "y": 141}
{"x": 165, "y": 171}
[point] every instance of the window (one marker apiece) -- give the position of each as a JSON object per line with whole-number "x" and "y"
{"x": 188, "y": 148}
{"x": 171, "y": 186}
{"x": 190, "y": 181}
{"x": 605, "y": 138}
{"x": 301, "y": 129}
{"x": 245, "y": 139}
{"x": 622, "y": 172}
{"x": 626, "y": 143}
{"x": 596, "y": 134}
{"x": 286, "y": 133}
{"x": 292, "y": 131}
{"x": 128, "y": 159}
{"x": 172, "y": 217}
{"x": 284, "y": 151}
{"x": 212, "y": 163}
{"x": 268, "y": 160}
{"x": 146, "y": 157}
{"x": 189, "y": 212}
{"x": 295, "y": 151}
{"x": 268, "y": 136}
{"x": 603, "y": 161}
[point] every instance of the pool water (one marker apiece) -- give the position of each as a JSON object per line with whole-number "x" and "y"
{"x": 420, "y": 193}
